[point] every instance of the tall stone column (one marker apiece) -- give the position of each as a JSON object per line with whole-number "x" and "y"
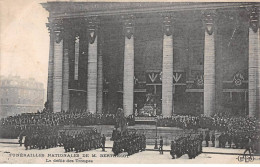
{"x": 167, "y": 68}
{"x": 92, "y": 65}
{"x": 57, "y": 69}
{"x": 50, "y": 68}
{"x": 258, "y": 72}
{"x": 209, "y": 65}
{"x": 253, "y": 66}
{"x": 100, "y": 75}
{"x": 65, "y": 80}
{"x": 128, "y": 83}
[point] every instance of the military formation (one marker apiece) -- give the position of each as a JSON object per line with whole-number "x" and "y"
{"x": 40, "y": 141}
{"x": 190, "y": 144}
{"x": 130, "y": 143}
{"x": 82, "y": 140}
{"x": 43, "y": 138}
{"x": 71, "y": 140}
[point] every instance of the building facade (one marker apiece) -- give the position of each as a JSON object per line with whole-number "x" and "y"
{"x": 20, "y": 95}
{"x": 172, "y": 58}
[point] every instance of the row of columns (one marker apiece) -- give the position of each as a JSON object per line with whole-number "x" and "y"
{"x": 58, "y": 74}
{"x": 58, "y": 70}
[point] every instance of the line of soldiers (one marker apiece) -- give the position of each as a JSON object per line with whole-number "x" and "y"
{"x": 190, "y": 144}
{"x": 240, "y": 140}
{"x": 83, "y": 140}
{"x": 40, "y": 139}
{"x": 130, "y": 143}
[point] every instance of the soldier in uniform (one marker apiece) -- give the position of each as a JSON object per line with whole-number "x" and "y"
{"x": 27, "y": 142}
{"x": 144, "y": 142}
{"x": 190, "y": 150}
{"x": 77, "y": 143}
{"x": 201, "y": 137}
{"x": 229, "y": 139}
{"x": 248, "y": 146}
{"x": 161, "y": 145}
{"x": 173, "y": 149}
{"x": 20, "y": 139}
{"x": 88, "y": 142}
{"x": 65, "y": 143}
{"x": 103, "y": 141}
{"x": 115, "y": 148}
{"x": 207, "y": 138}
{"x": 213, "y": 139}
{"x": 221, "y": 140}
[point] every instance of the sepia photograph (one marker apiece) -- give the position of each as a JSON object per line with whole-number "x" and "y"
{"x": 129, "y": 82}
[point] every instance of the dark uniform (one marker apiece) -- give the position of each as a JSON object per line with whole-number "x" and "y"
{"x": 161, "y": 145}
{"x": 26, "y": 142}
{"x": 173, "y": 149}
{"x": 207, "y": 139}
{"x": 20, "y": 140}
{"x": 213, "y": 139}
{"x": 103, "y": 141}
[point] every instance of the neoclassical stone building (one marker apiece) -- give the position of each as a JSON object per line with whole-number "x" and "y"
{"x": 178, "y": 58}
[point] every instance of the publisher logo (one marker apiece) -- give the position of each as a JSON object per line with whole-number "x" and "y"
{"x": 245, "y": 158}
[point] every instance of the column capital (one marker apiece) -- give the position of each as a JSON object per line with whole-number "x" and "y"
{"x": 129, "y": 25}
{"x": 254, "y": 18}
{"x": 76, "y": 38}
{"x": 56, "y": 26}
{"x": 167, "y": 23}
{"x": 92, "y": 27}
{"x": 209, "y": 20}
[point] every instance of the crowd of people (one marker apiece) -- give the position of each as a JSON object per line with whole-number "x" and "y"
{"x": 41, "y": 131}
{"x": 238, "y": 127}
{"x": 12, "y": 126}
{"x": 131, "y": 143}
{"x": 82, "y": 140}
{"x": 212, "y": 123}
{"x": 189, "y": 144}
{"x": 59, "y": 118}
{"x": 184, "y": 121}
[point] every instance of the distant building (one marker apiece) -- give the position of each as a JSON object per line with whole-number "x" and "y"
{"x": 20, "y": 95}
